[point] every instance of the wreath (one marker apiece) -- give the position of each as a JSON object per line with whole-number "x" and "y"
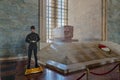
{"x": 104, "y": 48}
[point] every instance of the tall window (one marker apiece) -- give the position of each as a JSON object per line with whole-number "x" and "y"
{"x": 56, "y": 15}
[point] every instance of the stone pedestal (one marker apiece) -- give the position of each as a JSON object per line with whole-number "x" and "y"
{"x": 64, "y": 34}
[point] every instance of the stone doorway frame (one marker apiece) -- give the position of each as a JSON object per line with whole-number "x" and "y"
{"x": 104, "y": 20}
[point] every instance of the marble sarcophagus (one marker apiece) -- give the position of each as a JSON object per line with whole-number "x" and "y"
{"x": 70, "y": 57}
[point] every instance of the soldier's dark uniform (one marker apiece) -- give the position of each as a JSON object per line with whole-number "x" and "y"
{"x": 32, "y": 39}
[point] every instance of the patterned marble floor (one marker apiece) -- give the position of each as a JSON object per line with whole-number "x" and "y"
{"x": 14, "y": 70}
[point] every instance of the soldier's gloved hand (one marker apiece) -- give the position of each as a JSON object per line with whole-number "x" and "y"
{"x": 33, "y": 41}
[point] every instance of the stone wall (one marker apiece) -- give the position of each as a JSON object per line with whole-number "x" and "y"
{"x": 113, "y": 20}
{"x": 16, "y": 17}
{"x": 85, "y": 16}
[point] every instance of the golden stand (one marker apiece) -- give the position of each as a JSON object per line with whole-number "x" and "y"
{"x": 33, "y": 70}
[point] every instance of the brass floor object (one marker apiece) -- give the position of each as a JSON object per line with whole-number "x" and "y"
{"x": 33, "y": 70}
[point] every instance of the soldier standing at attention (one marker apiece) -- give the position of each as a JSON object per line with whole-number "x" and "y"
{"x": 32, "y": 38}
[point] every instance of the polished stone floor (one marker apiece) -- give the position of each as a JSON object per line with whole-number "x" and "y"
{"x": 14, "y": 70}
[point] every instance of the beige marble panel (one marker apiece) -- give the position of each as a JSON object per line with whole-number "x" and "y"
{"x": 86, "y": 17}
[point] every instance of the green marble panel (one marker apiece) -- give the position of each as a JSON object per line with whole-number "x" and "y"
{"x": 113, "y": 20}
{"x": 16, "y": 17}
